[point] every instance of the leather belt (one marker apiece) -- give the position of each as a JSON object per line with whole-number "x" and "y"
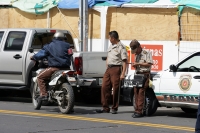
{"x": 142, "y": 72}
{"x": 110, "y": 65}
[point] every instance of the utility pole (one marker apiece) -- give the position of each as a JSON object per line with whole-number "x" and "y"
{"x": 83, "y": 25}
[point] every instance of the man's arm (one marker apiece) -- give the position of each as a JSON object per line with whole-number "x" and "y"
{"x": 124, "y": 65}
{"x": 148, "y": 62}
{"x": 40, "y": 55}
{"x": 124, "y": 62}
{"x": 142, "y": 64}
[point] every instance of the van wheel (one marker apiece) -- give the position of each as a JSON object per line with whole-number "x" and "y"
{"x": 189, "y": 110}
{"x": 150, "y": 104}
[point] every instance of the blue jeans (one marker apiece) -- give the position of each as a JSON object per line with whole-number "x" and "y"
{"x": 197, "y": 127}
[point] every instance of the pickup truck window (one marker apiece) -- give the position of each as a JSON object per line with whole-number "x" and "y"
{"x": 1, "y": 35}
{"x": 40, "y": 39}
{"x": 15, "y": 41}
{"x": 188, "y": 65}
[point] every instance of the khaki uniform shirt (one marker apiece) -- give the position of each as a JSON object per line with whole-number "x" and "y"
{"x": 116, "y": 53}
{"x": 144, "y": 57}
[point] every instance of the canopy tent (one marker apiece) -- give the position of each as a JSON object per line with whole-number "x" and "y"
{"x": 187, "y": 3}
{"x": 32, "y": 6}
{"x": 74, "y": 4}
{"x": 42, "y": 6}
{"x": 5, "y": 2}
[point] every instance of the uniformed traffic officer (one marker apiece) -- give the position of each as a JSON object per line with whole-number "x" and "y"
{"x": 142, "y": 64}
{"x": 116, "y": 68}
{"x": 197, "y": 127}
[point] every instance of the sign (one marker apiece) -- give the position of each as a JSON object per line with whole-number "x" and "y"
{"x": 157, "y": 56}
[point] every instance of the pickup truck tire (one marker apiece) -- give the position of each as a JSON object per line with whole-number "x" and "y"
{"x": 189, "y": 110}
{"x": 67, "y": 99}
{"x": 150, "y": 104}
{"x": 91, "y": 95}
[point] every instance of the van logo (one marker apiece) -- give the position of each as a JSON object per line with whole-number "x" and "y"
{"x": 185, "y": 82}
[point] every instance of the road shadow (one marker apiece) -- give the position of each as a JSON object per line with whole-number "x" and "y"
{"x": 16, "y": 99}
{"x": 174, "y": 113}
{"x": 77, "y": 111}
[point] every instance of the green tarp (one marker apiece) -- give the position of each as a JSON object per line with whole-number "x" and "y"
{"x": 144, "y": 1}
{"x": 133, "y": 1}
{"x": 33, "y": 6}
{"x": 42, "y": 6}
{"x": 187, "y": 3}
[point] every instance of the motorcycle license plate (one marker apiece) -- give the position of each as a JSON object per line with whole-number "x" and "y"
{"x": 71, "y": 79}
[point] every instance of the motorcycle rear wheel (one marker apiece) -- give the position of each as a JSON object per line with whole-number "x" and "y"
{"x": 67, "y": 99}
{"x": 35, "y": 94}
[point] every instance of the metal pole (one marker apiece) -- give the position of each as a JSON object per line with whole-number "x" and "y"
{"x": 85, "y": 25}
{"x": 48, "y": 19}
{"x": 80, "y": 25}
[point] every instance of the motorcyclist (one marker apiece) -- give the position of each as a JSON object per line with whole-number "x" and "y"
{"x": 58, "y": 59}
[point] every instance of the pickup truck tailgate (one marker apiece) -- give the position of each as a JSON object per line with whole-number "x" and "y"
{"x": 94, "y": 64}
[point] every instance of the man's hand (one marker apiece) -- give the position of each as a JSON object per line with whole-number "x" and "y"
{"x": 134, "y": 64}
{"x": 31, "y": 58}
{"x": 122, "y": 76}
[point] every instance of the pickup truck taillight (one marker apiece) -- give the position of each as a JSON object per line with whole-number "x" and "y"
{"x": 78, "y": 65}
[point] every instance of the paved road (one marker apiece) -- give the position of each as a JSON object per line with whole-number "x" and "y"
{"x": 17, "y": 116}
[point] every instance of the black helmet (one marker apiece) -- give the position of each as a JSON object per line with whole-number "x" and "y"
{"x": 59, "y": 36}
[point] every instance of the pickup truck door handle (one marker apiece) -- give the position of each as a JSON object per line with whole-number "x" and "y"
{"x": 104, "y": 58}
{"x": 17, "y": 56}
{"x": 197, "y": 77}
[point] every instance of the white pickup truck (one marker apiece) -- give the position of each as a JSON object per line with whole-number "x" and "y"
{"x": 16, "y": 68}
{"x": 179, "y": 86}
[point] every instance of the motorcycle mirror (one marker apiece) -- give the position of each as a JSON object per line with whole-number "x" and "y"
{"x": 31, "y": 50}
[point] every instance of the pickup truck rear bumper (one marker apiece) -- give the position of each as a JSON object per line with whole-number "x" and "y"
{"x": 88, "y": 82}
{"x": 92, "y": 82}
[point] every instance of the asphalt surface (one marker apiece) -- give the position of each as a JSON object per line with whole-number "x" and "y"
{"x": 18, "y": 116}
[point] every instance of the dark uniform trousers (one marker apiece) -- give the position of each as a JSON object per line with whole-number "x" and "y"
{"x": 197, "y": 127}
{"x": 139, "y": 96}
{"x": 111, "y": 80}
{"x": 43, "y": 76}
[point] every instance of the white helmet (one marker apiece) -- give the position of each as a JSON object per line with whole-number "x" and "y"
{"x": 59, "y": 36}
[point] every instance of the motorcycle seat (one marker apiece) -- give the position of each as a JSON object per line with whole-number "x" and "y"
{"x": 56, "y": 73}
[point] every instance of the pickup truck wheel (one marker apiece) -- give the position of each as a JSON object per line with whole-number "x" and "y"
{"x": 91, "y": 95}
{"x": 150, "y": 104}
{"x": 35, "y": 94}
{"x": 67, "y": 99}
{"x": 189, "y": 110}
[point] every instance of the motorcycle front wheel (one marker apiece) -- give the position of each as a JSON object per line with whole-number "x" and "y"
{"x": 35, "y": 94}
{"x": 67, "y": 99}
